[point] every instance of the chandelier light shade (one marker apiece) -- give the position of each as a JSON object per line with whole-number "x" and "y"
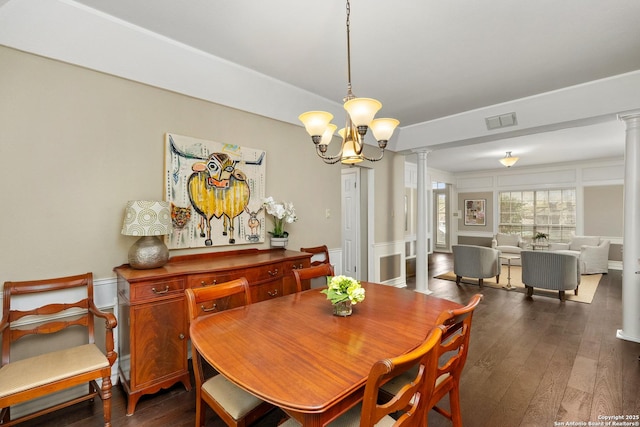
{"x": 315, "y": 123}
{"x": 150, "y": 220}
{"x": 508, "y": 160}
{"x": 360, "y": 117}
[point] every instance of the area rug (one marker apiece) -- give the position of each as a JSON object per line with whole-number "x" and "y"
{"x": 586, "y": 291}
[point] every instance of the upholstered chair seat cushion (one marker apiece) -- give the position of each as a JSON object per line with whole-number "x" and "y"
{"x": 351, "y": 418}
{"x": 46, "y": 368}
{"x": 232, "y": 398}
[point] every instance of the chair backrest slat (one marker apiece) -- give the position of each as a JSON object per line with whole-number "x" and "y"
{"x": 321, "y": 270}
{"x": 320, "y": 254}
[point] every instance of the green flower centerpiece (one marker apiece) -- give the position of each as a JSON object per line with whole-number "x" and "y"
{"x": 343, "y": 292}
{"x": 283, "y": 213}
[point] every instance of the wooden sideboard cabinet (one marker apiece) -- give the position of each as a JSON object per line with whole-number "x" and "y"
{"x": 153, "y": 325}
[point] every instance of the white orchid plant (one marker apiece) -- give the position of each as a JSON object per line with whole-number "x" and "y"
{"x": 283, "y": 213}
{"x": 342, "y": 288}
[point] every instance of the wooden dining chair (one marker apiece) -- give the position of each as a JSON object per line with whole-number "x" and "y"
{"x": 234, "y": 406}
{"x": 410, "y": 405}
{"x": 455, "y": 344}
{"x": 321, "y": 270}
{"x": 458, "y": 324}
{"x": 53, "y": 326}
{"x": 320, "y": 254}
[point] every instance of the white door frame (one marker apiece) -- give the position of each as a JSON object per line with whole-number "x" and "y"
{"x": 361, "y": 174}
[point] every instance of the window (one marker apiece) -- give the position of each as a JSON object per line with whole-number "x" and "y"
{"x": 552, "y": 212}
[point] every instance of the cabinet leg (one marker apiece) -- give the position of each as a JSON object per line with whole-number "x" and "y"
{"x": 186, "y": 382}
{"x": 132, "y": 401}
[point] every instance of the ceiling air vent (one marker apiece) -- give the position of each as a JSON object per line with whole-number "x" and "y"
{"x": 501, "y": 121}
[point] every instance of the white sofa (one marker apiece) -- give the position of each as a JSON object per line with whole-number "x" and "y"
{"x": 509, "y": 243}
{"x": 593, "y": 252}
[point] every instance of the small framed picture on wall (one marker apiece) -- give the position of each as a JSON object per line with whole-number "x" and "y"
{"x": 474, "y": 212}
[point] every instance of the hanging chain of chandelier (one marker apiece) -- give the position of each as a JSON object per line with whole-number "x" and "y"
{"x": 360, "y": 118}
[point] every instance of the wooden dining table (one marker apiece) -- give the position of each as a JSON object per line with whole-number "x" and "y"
{"x": 294, "y": 353}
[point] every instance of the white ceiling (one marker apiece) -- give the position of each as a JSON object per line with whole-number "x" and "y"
{"x": 424, "y": 59}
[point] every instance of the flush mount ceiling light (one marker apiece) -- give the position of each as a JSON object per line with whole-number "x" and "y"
{"x": 509, "y": 160}
{"x": 360, "y": 113}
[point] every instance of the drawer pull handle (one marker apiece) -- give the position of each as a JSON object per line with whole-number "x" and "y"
{"x": 181, "y": 336}
{"x": 166, "y": 289}
{"x": 273, "y": 293}
{"x": 204, "y": 309}
{"x": 203, "y": 283}
{"x": 273, "y": 273}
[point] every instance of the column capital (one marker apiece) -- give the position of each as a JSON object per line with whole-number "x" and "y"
{"x": 629, "y": 115}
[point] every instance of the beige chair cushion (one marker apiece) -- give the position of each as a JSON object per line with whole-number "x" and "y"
{"x": 577, "y": 242}
{"x": 351, "y": 418}
{"x": 46, "y": 368}
{"x": 232, "y": 398}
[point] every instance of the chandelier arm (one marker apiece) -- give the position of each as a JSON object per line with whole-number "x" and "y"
{"x": 333, "y": 161}
{"x": 374, "y": 160}
{"x": 329, "y": 159}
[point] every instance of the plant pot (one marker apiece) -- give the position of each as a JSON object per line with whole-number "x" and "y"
{"x": 279, "y": 242}
{"x": 342, "y": 308}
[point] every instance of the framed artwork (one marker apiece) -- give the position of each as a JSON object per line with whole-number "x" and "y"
{"x": 215, "y": 191}
{"x": 474, "y": 212}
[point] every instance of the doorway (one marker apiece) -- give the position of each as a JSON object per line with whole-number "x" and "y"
{"x": 357, "y": 221}
{"x": 441, "y": 225}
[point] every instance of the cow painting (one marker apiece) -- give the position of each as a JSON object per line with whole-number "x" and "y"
{"x": 218, "y": 191}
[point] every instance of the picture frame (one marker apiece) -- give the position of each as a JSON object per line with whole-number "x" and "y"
{"x": 215, "y": 190}
{"x": 474, "y": 212}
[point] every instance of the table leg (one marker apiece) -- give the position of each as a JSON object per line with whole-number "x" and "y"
{"x": 509, "y": 287}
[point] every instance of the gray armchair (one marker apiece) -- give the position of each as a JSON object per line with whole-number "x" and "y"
{"x": 476, "y": 262}
{"x": 592, "y": 251}
{"x": 550, "y": 270}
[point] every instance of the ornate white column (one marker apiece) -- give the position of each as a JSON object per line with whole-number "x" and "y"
{"x": 422, "y": 252}
{"x": 631, "y": 250}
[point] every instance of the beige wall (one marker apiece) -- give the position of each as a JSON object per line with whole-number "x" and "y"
{"x": 77, "y": 144}
{"x": 603, "y": 207}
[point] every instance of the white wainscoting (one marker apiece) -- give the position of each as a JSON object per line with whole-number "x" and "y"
{"x": 383, "y": 250}
{"x": 335, "y": 257}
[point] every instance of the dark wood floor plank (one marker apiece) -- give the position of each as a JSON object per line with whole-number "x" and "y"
{"x": 575, "y": 405}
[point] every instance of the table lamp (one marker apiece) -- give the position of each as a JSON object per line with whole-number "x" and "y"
{"x": 148, "y": 219}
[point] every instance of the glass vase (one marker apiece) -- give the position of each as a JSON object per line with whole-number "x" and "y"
{"x": 342, "y": 308}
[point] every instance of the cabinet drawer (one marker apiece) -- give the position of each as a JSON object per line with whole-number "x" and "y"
{"x": 209, "y": 279}
{"x": 266, "y": 291}
{"x": 148, "y": 290}
{"x": 289, "y": 266}
{"x": 265, "y": 273}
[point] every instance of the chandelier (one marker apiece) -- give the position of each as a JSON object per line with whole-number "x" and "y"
{"x": 360, "y": 117}
{"x": 509, "y": 160}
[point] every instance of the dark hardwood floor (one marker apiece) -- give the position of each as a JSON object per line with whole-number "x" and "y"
{"x": 532, "y": 362}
